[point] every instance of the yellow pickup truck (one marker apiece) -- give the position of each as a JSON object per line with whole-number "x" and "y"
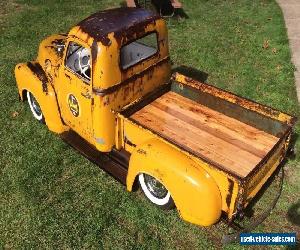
{"x": 106, "y": 87}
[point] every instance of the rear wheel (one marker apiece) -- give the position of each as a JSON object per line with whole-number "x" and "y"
{"x": 35, "y": 107}
{"x": 156, "y": 192}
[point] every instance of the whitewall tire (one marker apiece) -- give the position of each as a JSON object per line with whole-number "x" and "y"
{"x": 35, "y": 107}
{"x": 156, "y": 191}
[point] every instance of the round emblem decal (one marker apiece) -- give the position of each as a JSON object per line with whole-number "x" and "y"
{"x": 73, "y": 105}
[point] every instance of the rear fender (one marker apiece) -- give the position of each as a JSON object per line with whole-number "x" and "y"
{"x": 194, "y": 191}
{"x": 31, "y": 77}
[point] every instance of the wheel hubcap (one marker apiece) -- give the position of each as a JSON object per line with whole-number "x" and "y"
{"x": 155, "y": 187}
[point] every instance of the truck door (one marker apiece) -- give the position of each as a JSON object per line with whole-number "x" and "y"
{"x": 75, "y": 89}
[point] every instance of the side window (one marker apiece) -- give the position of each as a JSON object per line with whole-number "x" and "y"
{"x": 78, "y": 60}
{"x": 138, "y": 50}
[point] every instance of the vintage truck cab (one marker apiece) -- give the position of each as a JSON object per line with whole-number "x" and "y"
{"x": 191, "y": 145}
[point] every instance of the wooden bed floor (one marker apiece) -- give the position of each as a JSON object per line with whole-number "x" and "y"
{"x": 234, "y": 145}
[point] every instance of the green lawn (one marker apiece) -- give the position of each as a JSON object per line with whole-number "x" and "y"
{"x": 51, "y": 197}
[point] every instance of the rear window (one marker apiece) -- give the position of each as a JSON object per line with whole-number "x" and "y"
{"x": 138, "y": 50}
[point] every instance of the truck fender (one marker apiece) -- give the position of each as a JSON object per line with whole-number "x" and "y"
{"x": 31, "y": 77}
{"x": 195, "y": 193}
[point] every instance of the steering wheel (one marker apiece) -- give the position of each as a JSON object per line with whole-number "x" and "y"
{"x": 84, "y": 62}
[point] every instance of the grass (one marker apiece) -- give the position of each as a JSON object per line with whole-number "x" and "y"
{"x": 51, "y": 197}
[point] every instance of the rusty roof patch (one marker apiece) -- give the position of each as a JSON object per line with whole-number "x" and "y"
{"x": 123, "y": 22}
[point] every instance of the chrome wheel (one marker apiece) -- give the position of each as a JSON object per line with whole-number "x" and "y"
{"x": 155, "y": 187}
{"x": 155, "y": 191}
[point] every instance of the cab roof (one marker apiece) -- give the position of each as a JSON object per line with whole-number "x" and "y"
{"x": 123, "y": 22}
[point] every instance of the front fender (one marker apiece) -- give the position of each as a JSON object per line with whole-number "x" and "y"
{"x": 31, "y": 77}
{"x": 194, "y": 191}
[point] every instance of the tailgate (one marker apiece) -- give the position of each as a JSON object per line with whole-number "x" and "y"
{"x": 261, "y": 173}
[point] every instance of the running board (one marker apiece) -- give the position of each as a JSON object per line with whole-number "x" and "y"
{"x": 114, "y": 163}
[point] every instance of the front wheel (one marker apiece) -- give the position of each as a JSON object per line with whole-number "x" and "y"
{"x": 35, "y": 107}
{"x": 156, "y": 191}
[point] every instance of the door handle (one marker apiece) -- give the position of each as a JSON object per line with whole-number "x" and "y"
{"x": 87, "y": 95}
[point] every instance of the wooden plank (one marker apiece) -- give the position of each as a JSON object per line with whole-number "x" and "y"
{"x": 219, "y": 151}
{"x": 255, "y": 144}
{"x": 205, "y": 133}
{"x": 214, "y": 118}
{"x": 207, "y": 138}
{"x": 213, "y": 130}
{"x": 212, "y": 151}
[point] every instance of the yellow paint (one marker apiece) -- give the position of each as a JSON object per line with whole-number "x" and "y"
{"x": 200, "y": 191}
{"x": 140, "y": 136}
{"x": 48, "y": 102}
{"x": 95, "y": 123}
{"x": 229, "y": 198}
{"x": 158, "y": 72}
{"x": 255, "y": 184}
{"x": 195, "y": 193}
{"x": 69, "y": 84}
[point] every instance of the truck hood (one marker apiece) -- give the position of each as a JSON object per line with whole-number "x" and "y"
{"x": 52, "y": 49}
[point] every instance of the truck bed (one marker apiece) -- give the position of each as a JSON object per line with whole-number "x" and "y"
{"x": 235, "y": 146}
